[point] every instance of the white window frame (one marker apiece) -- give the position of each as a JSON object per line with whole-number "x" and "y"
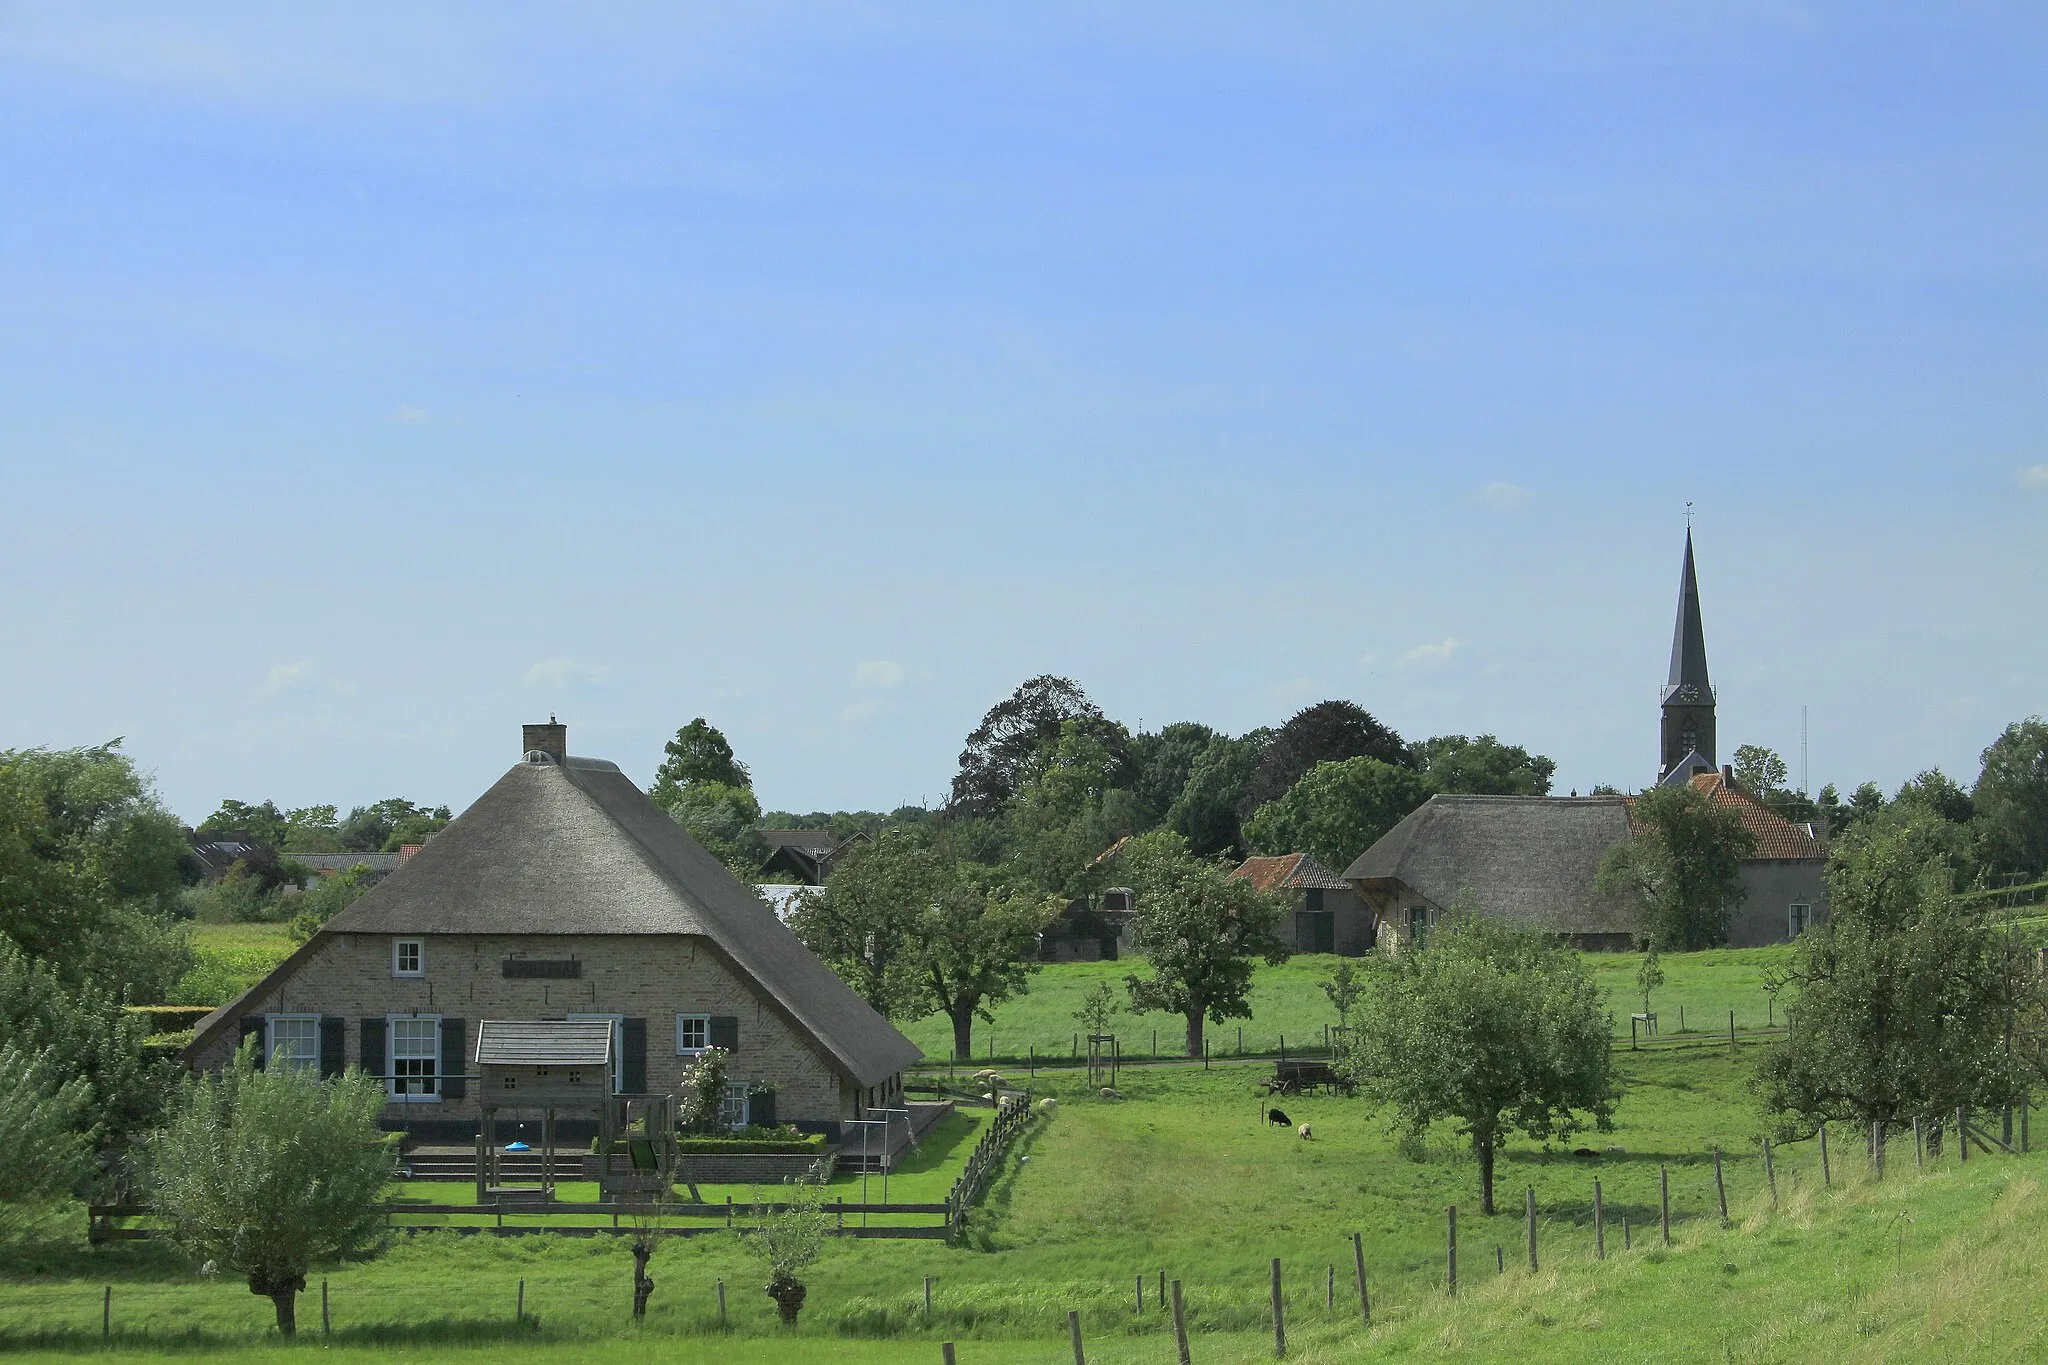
{"x": 684, "y": 1049}
{"x": 398, "y": 946}
{"x": 733, "y": 1108}
{"x": 1798, "y": 918}
{"x": 618, "y": 1023}
{"x": 272, "y": 1055}
{"x": 391, "y": 1058}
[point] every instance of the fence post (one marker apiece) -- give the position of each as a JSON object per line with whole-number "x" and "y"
{"x": 1664, "y": 1195}
{"x": 1627, "y": 1238}
{"x": 1180, "y": 1326}
{"x": 721, "y": 1302}
{"x": 325, "y": 1326}
{"x": 927, "y": 1295}
{"x": 1358, "y": 1258}
{"x": 1599, "y": 1225}
{"x": 1330, "y": 1291}
{"x": 1720, "y": 1187}
{"x": 946, "y": 1353}
{"x": 1140, "y": 1309}
{"x": 107, "y": 1313}
{"x": 2026, "y": 1107}
{"x": 1826, "y": 1175}
{"x": 1531, "y": 1204}
{"x": 1919, "y": 1146}
{"x": 1279, "y": 1315}
{"x": 519, "y": 1306}
{"x": 1074, "y": 1332}
{"x": 1162, "y": 1289}
{"x": 1770, "y": 1173}
{"x": 1963, "y": 1135}
{"x": 1877, "y": 1147}
{"x": 1451, "y": 1246}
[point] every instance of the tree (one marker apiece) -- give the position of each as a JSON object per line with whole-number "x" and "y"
{"x": 44, "y": 1119}
{"x": 1201, "y": 931}
{"x": 271, "y": 1173}
{"x": 1906, "y": 998}
{"x": 1205, "y": 812}
{"x": 725, "y": 820}
{"x": 790, "y": 1238}
{"x": 1002, "y": 750}
{"x": 865, "y": 921}
{"x": 91, "y": 866}
{"x": 1065, "y": 812}
{"x": 1098, "y": 1007}
{"x": 1494, "y": 1026}
{"x": 326, "y": 898}
{"x": 1483, "y": 767}
{"x": 388, "y": 825}
{"x": 1327, "y": 732}
{"x": 1759, "y": 771}
{"x": 1683, "y": 865}
{"x": 1338, "y": 810}
{"x": 974, "y": 952}
{"x": 1649, "y": 976}
{"x": 261, "y": 823}
{"x": 83, "y": 1033}
{"x": 2012, "y": 798}
{"x": 1343, "y": 988}
{"x": 1161, "y": 764}
{"x": 698, "y": 753}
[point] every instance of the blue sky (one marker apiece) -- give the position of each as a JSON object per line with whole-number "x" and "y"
{"x": 373, "y": 382}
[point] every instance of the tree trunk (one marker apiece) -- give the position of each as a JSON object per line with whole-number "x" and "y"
{"x": 789, "y": 1297}
{"x": 1483, "y": 1147}
{"x": 643, "y": 1288}
{"x": 963, "y": 1034}
{"x": 1195, "y": 1033}
{"x": 287, "y": 1301}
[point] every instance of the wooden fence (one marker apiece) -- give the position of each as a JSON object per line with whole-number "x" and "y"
{"x": 1012, "y": 1114}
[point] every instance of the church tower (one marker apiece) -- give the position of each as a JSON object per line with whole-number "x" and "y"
{"x": 1688, "y": 727}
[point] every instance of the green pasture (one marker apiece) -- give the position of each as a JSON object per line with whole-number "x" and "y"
{"x": 232, "y": 958}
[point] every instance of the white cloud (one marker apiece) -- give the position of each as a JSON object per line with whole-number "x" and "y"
{"x": 2032, "y": 477}
{"x": 283, "y": 676}
{"x": 1506, "y": 496}
{"x": 880, "y": 673}
{"x": 407, "y": 412}
{"x": 860, "y": 711}
{"x": 553, "y": 674}
{"x": 1292, "y": 691}
{"x": 1431, "y": 654}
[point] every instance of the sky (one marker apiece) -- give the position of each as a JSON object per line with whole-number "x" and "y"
{"x": 375, "y": 378}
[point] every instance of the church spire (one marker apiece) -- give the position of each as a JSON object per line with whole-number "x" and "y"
{"x": 1688, "y": 678}
{"x": 1687, "y": 728}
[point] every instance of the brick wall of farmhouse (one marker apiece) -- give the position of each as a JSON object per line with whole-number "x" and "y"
{"x": 651, "y": 978}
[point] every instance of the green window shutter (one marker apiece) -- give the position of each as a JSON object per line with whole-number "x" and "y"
{"x": 454, "y": 1060}
{"x": 725, "y": 1032}
{"x": 373, "y": 1045}
{"x": 333, "y": 1045}
{"x": 761, "y": 1108}
{"x": 633, "y": 1065}
{"x": 252, "y": 1027}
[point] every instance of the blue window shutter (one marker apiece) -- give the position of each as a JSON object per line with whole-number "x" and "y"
{"x": 633, "y": 1065}
{"x": 252, "y": 1027}
{"x": 725, "y": 1032}
{"x": 454, "y": 1060}
{"x": 333, "y": 1045}
{"x": 373, "y": 1045}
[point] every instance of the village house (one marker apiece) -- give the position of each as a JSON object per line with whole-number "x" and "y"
{"x": 1328, "y": 915}
{"x": 565, "y": 894}
{"x": 1534, "y": 858}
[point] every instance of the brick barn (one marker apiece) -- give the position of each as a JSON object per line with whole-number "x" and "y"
{"x": 565, "y": 893}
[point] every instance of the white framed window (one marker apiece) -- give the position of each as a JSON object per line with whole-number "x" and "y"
{"x": 294, "y": 1041}
{"x": 408, "y": 957}
{"x": 693, "y": 1034}
{"x": 732, "y": 1110}
{"x": 618, "y": 1023}
{"x": 1797, "y": 916}
{"x": 415, "y": 1043}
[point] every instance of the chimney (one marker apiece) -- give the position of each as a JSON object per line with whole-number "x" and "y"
{"x": 551, "y": 739}
{"x": 1728, "y": 776}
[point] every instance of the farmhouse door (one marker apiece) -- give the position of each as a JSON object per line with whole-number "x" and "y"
{"x": 1315, "y": 931}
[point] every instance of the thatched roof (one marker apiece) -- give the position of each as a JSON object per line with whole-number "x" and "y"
{"x": 576, "y": 848}
{"x": 1526, "y": 858}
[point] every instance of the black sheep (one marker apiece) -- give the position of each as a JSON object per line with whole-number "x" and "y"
{"x": 1279, "y": 1116}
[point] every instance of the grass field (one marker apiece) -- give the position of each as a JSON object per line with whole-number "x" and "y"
{"x": 232, "y": 958}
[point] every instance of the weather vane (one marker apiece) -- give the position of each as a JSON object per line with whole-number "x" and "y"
{"x": 1688, "y": 514}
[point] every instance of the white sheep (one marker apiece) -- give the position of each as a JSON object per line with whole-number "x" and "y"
{"x": 1048, "y": 1104}
{"x": 1111, "y": 1093}
{"x": 1304, "y": 1132}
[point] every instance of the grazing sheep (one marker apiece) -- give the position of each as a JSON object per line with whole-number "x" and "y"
{"x": 1279, "y": 1116}
{"x": 989, "y": 1099}
{"x": 1304, "y": 1132}
{"x": 1048, "y": 1104}
{"x": 1111, "y": 1093}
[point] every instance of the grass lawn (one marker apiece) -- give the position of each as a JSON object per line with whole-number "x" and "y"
{"x": 1287, "y": 1004}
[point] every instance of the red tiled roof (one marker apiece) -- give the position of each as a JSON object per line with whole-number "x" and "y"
{"x": 1287, "y": 871}
{"x": 1776, "y": 837}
